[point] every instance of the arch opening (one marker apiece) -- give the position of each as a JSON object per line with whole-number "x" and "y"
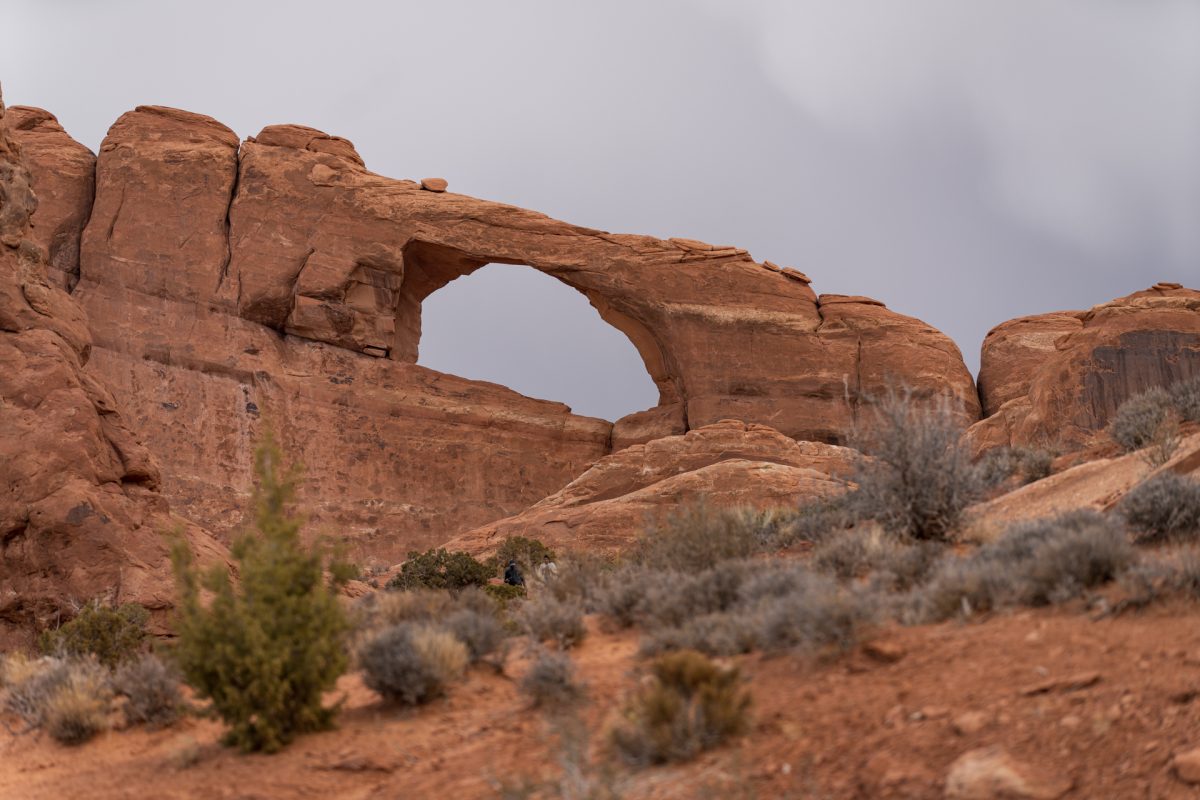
{"x": 514, "y": 325}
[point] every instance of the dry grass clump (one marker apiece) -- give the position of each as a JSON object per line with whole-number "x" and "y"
{"x": 919, "y": 478}
{"x": 1162, "y": 575}
{"x": 78, "y": 709}
{"x": 546, "y": 618}
{"x": 818, "y": 520}
{"x": 689, "y": 705}
{"x": 412, "y": 664}
{"x": 550, "y": 682}
{"x": 698, "y": 537}
{"x": 151, "y": 690}
{"x": 1035, "y": 563}
{"x": 29, "y": 683}
{"x": 1164, "y": 507}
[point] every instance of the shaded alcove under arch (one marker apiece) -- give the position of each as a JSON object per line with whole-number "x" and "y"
{"x": 514, "y": 325}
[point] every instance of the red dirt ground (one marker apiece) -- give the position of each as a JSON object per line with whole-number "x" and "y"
{"x": 853, "y": 726}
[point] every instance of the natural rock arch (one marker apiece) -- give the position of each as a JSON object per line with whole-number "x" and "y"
{"x": 519, "y": 327}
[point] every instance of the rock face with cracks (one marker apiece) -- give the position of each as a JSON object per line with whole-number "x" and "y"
{"x": 279, "y": 282}
{"x": 81, "y": 514}
{"x": 1054, "y": 380}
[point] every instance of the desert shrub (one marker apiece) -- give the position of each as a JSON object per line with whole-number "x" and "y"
{"x": 151, "y": 689}
{"x": 527, "y": 552}
{"x": 860, "y": 552}
{"x": 503, "y": 594}
{"x": 1027, "y": 464}
{"x": 78, "y": 709}
{"x": 30, "y": 683}
{"x": 1140, "y": 418}
{"x": 695, "y": 538}
{"x": 1034, "y": 563}
{"x": 412, "y": 664}
{"x": 550, "y": 681}
{"x": 689, "y": 705}
{"x": 546, "y": 618}
{"x": 263, "y": 651}
{"x": 620, "y": 594}
{"x": 919, "y": 478}
{"x": 1163, "y": 575}
{"x": 1166, "y": 506}
{"x": 480, "y": 631}
{"x": 1185, "y": 397}
{"x": 440, "y": 569}
{"x": 817, "y": 520}
{"x": 672, "y": 598}
{"x": 111, "y": 634}
{"x": 816, "y": 614}
{"x": 721, "y": 634}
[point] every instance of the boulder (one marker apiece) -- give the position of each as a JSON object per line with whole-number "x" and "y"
{"x": 991, "y": 773}
{"x": 729, "y": 464}
{"x": 63, "y": 174}
{"x": 1055, "y": 380}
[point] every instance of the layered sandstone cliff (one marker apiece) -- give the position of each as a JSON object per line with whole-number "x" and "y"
{"x": 279, "y": 282}
{"x": 80, "y": 515}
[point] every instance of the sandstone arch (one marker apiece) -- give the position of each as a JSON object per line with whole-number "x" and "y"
{"x": 280, "y": 279}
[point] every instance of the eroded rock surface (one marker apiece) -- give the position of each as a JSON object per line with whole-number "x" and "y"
{"x": 728, "y": 464}
{"x": 80, "y": 516}
{"x": 1055, "y": 380}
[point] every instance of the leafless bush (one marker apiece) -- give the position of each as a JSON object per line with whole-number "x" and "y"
{"x": 721, "y": 634}
{"x": 698, "y": 537}
{"x": 1163, "y": 507}
{"x": 898, "y": 563}
{"x": 550, "y": 681}
{"x": 1185, "y": 396}
{"x": 818, "y": 520}
{"x": 818, "y": 614}
{"x": 920, "y": 477}
{"x": 1034, "y": 563}
{"x": 412, "y": 664}
{"x": 1139, "y": 419}
{"x": 546, "y": 618}
{"x": 620, "y": 594}
{"x": 672, "y": 597}
{"x": 151, "y": 689}
{"x": 481, "y": 632}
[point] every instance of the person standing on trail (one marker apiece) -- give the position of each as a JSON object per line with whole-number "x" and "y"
{"x": 512, "y": 574}
{"x": 547, "y": 570}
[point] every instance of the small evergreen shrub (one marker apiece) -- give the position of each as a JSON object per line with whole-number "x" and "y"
{"x": 697, "y": 537}
{"x": 151, "y": 690}
{"x": 78, "y": 709}
{"x": 919, "y": 478}
{"x": 546, "y": 618}
{"x": 266, "y": 650}
{"x": 689, "y": 705}
{"x": 112, "y": 635}
{"x": 504, "y": 594}
{"x": 550, "y": 681}
{"x": 1140, "y": 419}
{"x": 441, "y": 569}
{"x": 412, "y": 664}
{"x": 1164, "y": 507}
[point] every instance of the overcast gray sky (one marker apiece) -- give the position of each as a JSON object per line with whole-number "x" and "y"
{"x": 965, "y": 161}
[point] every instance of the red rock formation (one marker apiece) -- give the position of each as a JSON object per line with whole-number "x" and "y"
{"x": 729, "y": 464}
{"x": 1055, "y": 380}
{"x": 80, "y": 516}
{"x": 64, "y": 172}
{"x": 283, "y": 282}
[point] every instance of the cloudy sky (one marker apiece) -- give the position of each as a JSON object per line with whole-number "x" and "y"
{"x": 965, "y": 161}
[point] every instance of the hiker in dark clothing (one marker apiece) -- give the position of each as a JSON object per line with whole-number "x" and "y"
{"x": 512, "y": 574}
